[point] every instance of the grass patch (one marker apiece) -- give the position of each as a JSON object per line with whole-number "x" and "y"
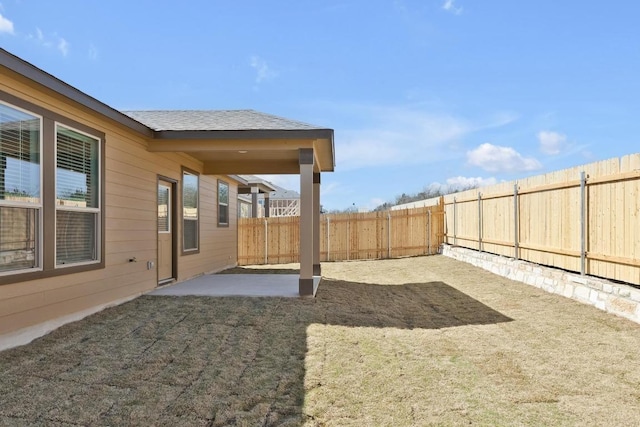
{"x": 416, "y": 341}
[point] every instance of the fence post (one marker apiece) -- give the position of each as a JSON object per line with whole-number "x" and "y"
{"x": 479, "y": 221}
{"x": 266, "y": 242}
{"x": 348, "y": 245}
{"x": 429, "y": 232}
{"x": 583, "y": 202}
{"x": 389, "y": 235}
{"x": 515, "y": 221}
{"x": 328, "y": 240}
{"x": 455, "y": 222}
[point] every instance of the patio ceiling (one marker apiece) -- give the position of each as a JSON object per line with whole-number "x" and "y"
{"x": 238, "y": 141}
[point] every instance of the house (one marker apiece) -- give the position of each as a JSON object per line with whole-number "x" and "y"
{"x": 254, "y": 186}
{"x": 283, "y": 202}
{"x": 244, "y": 206}
{"x": 266, "y": 199}
{"x": 98, "y": 206}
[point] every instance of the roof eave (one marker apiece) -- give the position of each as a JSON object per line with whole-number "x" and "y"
{"x": 245, "y": 134}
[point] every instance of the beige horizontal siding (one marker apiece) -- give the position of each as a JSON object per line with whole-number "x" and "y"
{"x": 130, "y": 225}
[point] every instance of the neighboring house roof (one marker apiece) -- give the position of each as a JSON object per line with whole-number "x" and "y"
{"x": 283, "y": 193}
{"x": 255, "y": 180}
{"x": 247, "y": 182}
{"x": 199, "y": 120}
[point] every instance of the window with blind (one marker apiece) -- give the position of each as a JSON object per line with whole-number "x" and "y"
{"x": 190, "y": 222}
{"x": 20, "y": 183}
{"x": 77, "y": 197}
{"x": 223, "y": 204}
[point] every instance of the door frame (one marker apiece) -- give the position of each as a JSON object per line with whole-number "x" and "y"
{"x": 174, "y": 230}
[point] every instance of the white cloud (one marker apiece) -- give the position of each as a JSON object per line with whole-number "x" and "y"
{"x": 387, "y": 136}
{"x": 449, "y": 6}
{"x": 551, "y": 142}
{"x": 466, "y": 182}
{"x": 63, "y": 46}
{"x": 494, "y": 158}
{"x": 51, "y": 42}
{"x": 264, "y": 72}
{"x": 6, "y": 26}
{"x": 93, "y": 52}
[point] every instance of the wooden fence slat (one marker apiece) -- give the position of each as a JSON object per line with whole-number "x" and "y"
{"x": 372, "y": 235}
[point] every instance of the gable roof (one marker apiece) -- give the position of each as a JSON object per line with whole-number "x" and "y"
{"x": 226, "y": 142}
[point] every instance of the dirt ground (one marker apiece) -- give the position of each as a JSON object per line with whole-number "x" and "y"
{"x": 409, "y": 342}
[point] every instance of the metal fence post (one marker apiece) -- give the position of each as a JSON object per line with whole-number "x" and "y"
{"x": 515, "y": 221}
{"x": 479, "y": 221}
{"x": 328, "y": 240}
{"x": 389, "y": 235}
{"x": 348, "y": 245}
{"x": 455, "y": 223}
{"x": 266, "y": 242}
{"x": 429, "y": 232}
{"x": 583, "y": 203}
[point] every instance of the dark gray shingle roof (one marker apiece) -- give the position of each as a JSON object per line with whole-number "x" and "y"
{"x": 283, "y": 193}
{"x": 207, "y": 120}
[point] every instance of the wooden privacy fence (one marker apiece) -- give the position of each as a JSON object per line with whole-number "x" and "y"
{"x": 584, "y": 219}
{"x": 373, "y": 235}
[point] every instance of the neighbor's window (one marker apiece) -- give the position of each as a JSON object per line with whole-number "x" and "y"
{"x": 20, "y": 183}
{"x": 190, "y": 211}
{"x": 223, "y": 204}
{"x": 77, "y": 197}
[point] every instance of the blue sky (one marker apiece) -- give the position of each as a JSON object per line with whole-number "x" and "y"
{"x": 418, "y": 91}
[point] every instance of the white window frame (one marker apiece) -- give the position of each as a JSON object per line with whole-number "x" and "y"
{"x": 196, "y": 249}
{"x": 97, "y": 211}
{"x": 223, "y": 224}
{"x": 38, "y": 207}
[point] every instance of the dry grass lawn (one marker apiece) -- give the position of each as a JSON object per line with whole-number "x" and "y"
{"x": 409, "y": 342}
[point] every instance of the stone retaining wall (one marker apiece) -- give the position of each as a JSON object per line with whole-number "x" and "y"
{"x": 620, "y": 299}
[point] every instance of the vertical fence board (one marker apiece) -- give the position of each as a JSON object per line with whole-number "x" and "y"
{"x": 350, "y": 236}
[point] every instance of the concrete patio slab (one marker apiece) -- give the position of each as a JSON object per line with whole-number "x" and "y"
{"x": 222, "y": 285}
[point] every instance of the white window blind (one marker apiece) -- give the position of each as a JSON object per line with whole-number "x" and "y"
{"x": 77, "y": 197}
{"x": 164, "y": 224}
{"x": 20, "y": 172}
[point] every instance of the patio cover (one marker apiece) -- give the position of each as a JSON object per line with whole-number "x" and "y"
{"x": 227, "y": 142}
{"x": 250, "y": 142}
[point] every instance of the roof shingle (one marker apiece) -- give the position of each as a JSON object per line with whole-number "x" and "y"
{"x": 212, "y": 120}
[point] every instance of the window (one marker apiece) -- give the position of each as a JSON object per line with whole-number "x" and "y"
{"x": 190, "y": 223}
{"x": 20, "y": 183}
{"x": 77, "y": 197}
{"x": 51, "y": 193}
{"x": 164, "y": 208}
{"x": 223, "y": 204}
